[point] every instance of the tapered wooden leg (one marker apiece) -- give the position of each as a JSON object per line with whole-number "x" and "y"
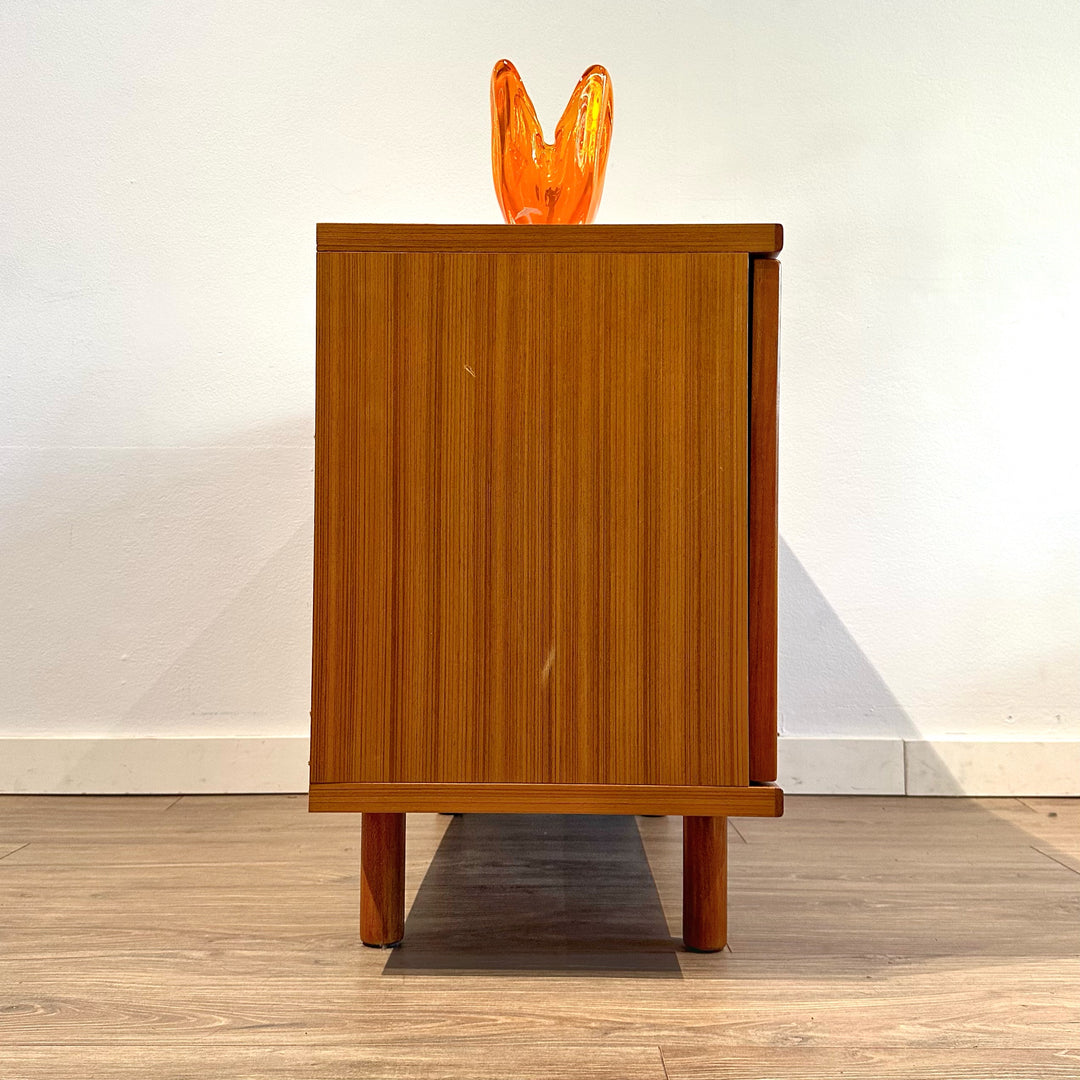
{"x": 705, "y": 883}
{"x": 382, "y": 879}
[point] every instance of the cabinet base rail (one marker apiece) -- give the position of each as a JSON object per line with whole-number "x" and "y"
{"x": 755, "y": 800}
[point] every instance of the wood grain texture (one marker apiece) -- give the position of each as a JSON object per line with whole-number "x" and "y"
{"x": 214, "y": 936}
{"x": 533, "y": 1060}
{"x": 873, "y": 1063}
{"x": 748, "y": 239}
{"x": 705, "y": 883}
{"x": 539, "y": 1061}
{"x": 763, "y": 517}
{"x": 765, "y": 800}
{"x": 382, "y": 879}
{"x": 531, "y": 519}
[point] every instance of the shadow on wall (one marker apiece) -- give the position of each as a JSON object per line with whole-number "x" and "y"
{"x": 827, "y": 684}
{"x": 843, "y": 730}
{"x": 159, "y": 590}
{"x": 233, "y": 671}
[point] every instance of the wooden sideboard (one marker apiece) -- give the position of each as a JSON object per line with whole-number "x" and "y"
{"x": 545, "y": 533}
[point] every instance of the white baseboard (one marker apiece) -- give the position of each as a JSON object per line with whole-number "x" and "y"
{"x": 992, "y": 767}
{"x": 198, "y": 765}
{"x": 203, "y": 765}
{"x": 895, "y": 766}
{"x": 841, "y": 766}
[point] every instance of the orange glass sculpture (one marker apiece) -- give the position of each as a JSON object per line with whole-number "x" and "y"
{"x": 556, "y": 183}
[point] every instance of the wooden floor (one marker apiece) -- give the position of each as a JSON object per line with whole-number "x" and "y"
{"x": 216, "y": 937}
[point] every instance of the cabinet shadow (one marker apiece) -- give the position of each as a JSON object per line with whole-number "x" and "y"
{"x": 540, "y": 894}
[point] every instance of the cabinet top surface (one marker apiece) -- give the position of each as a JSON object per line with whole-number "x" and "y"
{"x": 751, "y": 239}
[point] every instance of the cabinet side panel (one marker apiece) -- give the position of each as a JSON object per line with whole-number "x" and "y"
{"x": 414, "y": 472}
{"x": 649, "y": 353}
{"x": 764, "y": 358}
{"x": 716, "y": 512}
{"x": 531, "y": 519}
{"x": 353, "y": 635}
{"x": 433, "y": 606}
{"x": 494, "y": 626}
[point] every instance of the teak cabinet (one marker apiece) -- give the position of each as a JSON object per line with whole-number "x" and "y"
{"x": 545, "y": 533}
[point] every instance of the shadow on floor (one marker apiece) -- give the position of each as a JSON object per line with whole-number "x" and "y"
{"x": 543, "y": 894}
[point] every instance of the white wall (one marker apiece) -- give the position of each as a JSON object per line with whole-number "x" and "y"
{"x": 162, "y": 167}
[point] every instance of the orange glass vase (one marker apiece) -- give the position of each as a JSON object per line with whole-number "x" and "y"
{"x": 556, "y": 183}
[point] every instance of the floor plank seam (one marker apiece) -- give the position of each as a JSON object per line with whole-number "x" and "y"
{"x": 1072, "y": 869}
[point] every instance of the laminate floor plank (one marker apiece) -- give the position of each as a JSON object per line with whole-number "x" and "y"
{"x": 872, "y": 1063}
{"x": 957, "y": 881}
{"x": 185, "y": 1002}
{"x": 1053, "y": 826}
{"x": 413, "y": 1061}
{"x": 216, "y": 936}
